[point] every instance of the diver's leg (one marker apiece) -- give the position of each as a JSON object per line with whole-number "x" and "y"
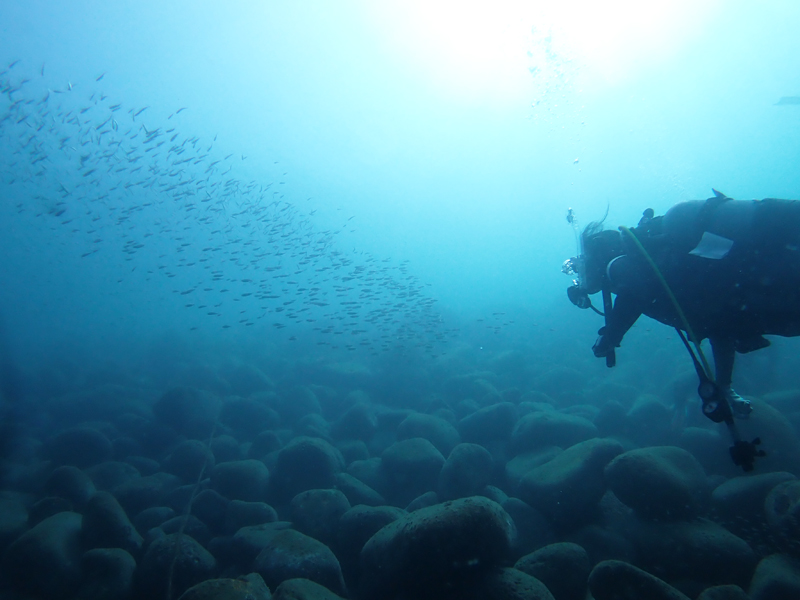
{"x": 724, "y": 350}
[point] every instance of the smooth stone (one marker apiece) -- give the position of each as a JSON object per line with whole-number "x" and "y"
{"x": 358, "y": 422}
{"x": 660, "y": 482}
{"x": 303, "y": 464}
{"x": 465, "y": 473}
{"x": 225, "y": 449}
{"x": 106, "y": 525}
{"x": 211, "y": 508}
{"x": 152, "y": 517}
{"x": 46, "y": 560}
{"x": 249, "y": 587}
{"x": 316, "y": 513}
{"x": 303, "y": 589}
{"x": 291, "y": 554}
{"x": 432, "y": 548}
{"x": 436, "y": 430}
{"x": 782, "y": 508}
{"x": 174, "y": 562}
{"x": 777, "y": 577}
{"x": 248, "y": 416}
{"x": 107, "y": 575}
{"x": 697, "y": 553}
{"x": 242, "y": 514}
{"x": 140, "y": 493}
{"x": 411, "y": 468}
{"x": 617, "y": 580}
{"x": 507, "y": 584}
{"x": 71, "y": 483}
{"x": 568, "y": 488}
{"x": 495, "y": 422}
{"x": 550, "y": 428}
{"x": 723, "y": 592}
{"x": 13, "y": 517}
{"x": 246, "y": 480}
{"x": 189, "y": 460}
{"x": 522, "y": 464}
{"x": 563, "y": 567}
{"x": 358, "y": 492}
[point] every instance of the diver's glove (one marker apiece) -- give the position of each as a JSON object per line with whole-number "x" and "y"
{"x": 740, "y": 407}
{"x": 604, "y": 345}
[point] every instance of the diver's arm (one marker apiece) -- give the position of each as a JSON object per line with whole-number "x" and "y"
{"x": 622, "y": 317}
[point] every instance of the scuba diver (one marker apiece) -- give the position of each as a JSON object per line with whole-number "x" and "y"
{"x": 719, "y": 269}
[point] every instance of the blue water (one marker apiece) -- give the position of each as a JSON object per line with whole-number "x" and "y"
{"x": 188, "y": 187}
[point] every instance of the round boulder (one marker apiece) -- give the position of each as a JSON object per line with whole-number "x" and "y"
{"x": 435, "y": 548}
{"x": 551, "y": 428}
{"x": 241, "y": 480}
{"x": 250, "y": 587}
{"x": 106, "y": 525}
{"x": 563, "y": 567}
{"x": 662, "y": 482}
{"x": 436, "y": 430}
{"x": 156, "y": 573}
{"x": 107, "y": 575}
{"x": 46, "y": 560}
{"x": 189, "y": 459}
{"x": 290, "y": 555}
{"x": 617, "y": 580}
{"x": 411, "y": 468}
{"x": 693, "y": 555}
{"x": 303, "y": 464}
{"x": 568, "y": 488}
{"x": 777, "y": 577}
{"x": 316, "y": 513}
{"x": 495, "y": 422}
{"x": 466, "y": 472}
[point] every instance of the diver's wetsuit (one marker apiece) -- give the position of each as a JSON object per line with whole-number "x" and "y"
{"x": 740, "y": 283}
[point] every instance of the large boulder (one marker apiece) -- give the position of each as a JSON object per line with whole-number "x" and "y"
{"x": 290, "y": 555}
{"x": 617, "y": 580}
{"x": 189, "y": 460}
{"x": 46, "y": 560}
{"x": 435, "y": 548}
{"x": 246, "y": 480}
{"x": 250, "y": 587}
{"x": 739, "y": 501}
{"x": 506, "y": 584}
{"x": 494, "y": 422}
{"x": 568, "y": 488}
{"x": 662, "y": 482}
{"x": 304, "y": 464}
{"x": 436, "y": 430}
{"x": 563, "y": 567}
{"x": 247, "y": 416}
{"x": 106, "y": 525}
{"x": 411, "y": 468}
{"x": 70, "y": 483}
{"x": 693, "y": 555}
{"x": 316, "y": 513}
{"x": 173, "y": 563}
{"x": 107, "y": 575}
{"x": 140, "y": 493}
{"x": 303, "y": 589}
{"x": 782, "y": 509}
{"x": 777, "y": 577}
{"x": 466, "y": 472}
{"x": 551, "y": 428}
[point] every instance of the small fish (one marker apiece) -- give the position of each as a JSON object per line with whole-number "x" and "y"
{"x": 100, "y": 77}
{"x": 140, "y": 112}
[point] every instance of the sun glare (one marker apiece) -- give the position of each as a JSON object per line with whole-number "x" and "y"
{"x": 488, "y": 50}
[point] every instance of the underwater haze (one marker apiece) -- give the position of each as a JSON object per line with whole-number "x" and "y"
{"x": 291, "y": 237}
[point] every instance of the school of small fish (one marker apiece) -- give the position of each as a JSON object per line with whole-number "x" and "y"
{"x": 241, "y": 251}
